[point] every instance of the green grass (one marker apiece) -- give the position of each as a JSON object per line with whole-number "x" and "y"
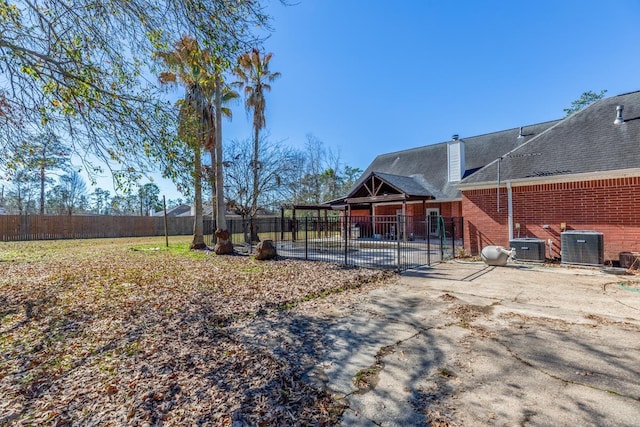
{"x": 178, "y": 249}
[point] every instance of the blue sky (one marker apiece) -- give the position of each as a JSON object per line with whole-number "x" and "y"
{"x": 368, "y": 77}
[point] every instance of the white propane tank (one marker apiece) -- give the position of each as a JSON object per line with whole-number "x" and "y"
{"x": 496, "y": 255}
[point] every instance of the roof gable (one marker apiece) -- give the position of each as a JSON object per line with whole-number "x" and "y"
{"x": 379, "y": 183}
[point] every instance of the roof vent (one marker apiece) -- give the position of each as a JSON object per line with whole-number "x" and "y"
{"x": 619, "y": 118}
{"x": 455, "y": 137}
{"x": 520, "y": 134}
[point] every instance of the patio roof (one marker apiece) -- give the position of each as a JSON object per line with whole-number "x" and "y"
{"x": 385, "y": 187}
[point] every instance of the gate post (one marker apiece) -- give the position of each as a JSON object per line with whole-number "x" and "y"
{"x": 427, "y": 223}
{"x": 281, "y": 223}
{"x": 453, "y": 237}
{"x": 306, "y": 239}
{"x": 442, "y": 231}
{"x": 398, "y": 239}
{"x": 346, "y": 239}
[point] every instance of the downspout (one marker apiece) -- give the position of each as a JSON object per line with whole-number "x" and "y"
{"x": 510, "y": 210}
{"x": 498, "y": 184}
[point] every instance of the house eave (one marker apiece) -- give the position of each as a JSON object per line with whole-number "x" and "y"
{"x": 459, "y": 199}
{"x": 554, "y": 179}
{"x": 375, "y": 199}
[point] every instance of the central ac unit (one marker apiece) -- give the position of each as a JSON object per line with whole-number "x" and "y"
{"x": 582, "y": 247}
{"x": 529, "y": 249}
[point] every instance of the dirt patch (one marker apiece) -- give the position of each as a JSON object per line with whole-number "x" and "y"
{"x": 367, "y": 379}
{"x": 448, "y": 297}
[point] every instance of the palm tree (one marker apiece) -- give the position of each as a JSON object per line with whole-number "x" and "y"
{"x": 201, "y": 125}
{"x": 226, "y": 96}
{"x": 190, "y": 66}
{"x": 223, "y": 239}
{"x": 255, "y": 79}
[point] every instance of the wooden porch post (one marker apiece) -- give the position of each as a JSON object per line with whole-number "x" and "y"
{"x": 326, "y": 224}
{"x": 373, "y": 220}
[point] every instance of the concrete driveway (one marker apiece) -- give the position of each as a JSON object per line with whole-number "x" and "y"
{"x": 462, "y": 344}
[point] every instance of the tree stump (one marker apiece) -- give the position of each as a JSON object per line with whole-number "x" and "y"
{"x": 265, "y": 250}
{"x": 223, "y": 245}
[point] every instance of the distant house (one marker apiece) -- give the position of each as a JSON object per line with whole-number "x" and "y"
{"x": 577, "y": 173}
{"x": 180, "y": 210}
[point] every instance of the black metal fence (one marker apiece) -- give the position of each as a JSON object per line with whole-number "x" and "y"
{"x": 390, "y": 242}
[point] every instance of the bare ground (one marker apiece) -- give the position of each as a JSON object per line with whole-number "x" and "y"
{"x": 122, "y": 336}
{"x": 127, "y": 333}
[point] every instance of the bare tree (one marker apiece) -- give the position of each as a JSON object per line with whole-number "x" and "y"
{"x": 322, "y": 179}
{"x": 69, "y": 195}
{"x": 276, "y": 168}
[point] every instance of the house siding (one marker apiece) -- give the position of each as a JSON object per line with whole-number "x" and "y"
{"x": 610, "y": 206}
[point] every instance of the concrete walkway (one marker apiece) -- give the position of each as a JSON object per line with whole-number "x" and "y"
{"x": 465, "y": 344}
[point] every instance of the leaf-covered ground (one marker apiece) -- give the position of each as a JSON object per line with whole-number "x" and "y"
{"x": 127, "y": 332}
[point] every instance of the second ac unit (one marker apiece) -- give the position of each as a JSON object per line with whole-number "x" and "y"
{"x": 582, "y": 247}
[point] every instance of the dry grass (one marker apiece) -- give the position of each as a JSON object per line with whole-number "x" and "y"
{"x": 126, "y": 332}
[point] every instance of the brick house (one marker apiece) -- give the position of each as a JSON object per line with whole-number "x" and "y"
{"x": 422, "y": 182}
{"x": 582, "y": 173}
{"x": 577, "y": 173}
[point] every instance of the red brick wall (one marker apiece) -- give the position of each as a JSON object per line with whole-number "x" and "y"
{"x": 447, "y": 209}
{"x": 417, "y": 210}
{"x": 387, "y": 209}
{"x": 610, "y": 206}
{"x": 360, "y": 212}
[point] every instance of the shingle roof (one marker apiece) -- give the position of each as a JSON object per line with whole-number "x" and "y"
{"x": 427, "y": 166}
{"x": 585, "y": 142}
{"x": 179, "y": 210}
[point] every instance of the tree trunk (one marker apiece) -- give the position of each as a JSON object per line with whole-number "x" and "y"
{"x": 198, "y": 223}
{"x": 254, "y": 196}
{"x": 245, "y": 228}
{"x": 42, "y": 178}
{"x": 212, "y": 184}
{"x": 223, "y": 243}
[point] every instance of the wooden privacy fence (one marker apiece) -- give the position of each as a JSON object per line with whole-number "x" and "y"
{"x": 49, "y": 227}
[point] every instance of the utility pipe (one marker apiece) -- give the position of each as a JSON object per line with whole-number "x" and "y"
{"x": 510, "y": 210}
{"x": 498, "y": 185}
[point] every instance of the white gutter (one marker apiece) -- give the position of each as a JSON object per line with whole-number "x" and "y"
{"x": 510, "y": 210}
